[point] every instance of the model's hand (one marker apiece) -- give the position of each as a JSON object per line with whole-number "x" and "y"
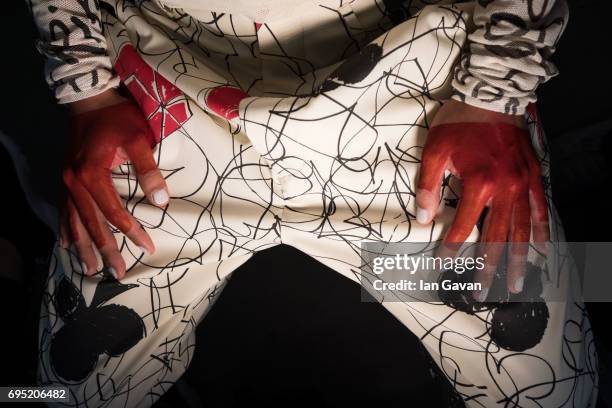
{"x": 492, "y": 154}
{"x": 106, "y": 131}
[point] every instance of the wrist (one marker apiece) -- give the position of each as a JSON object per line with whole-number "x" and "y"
{"x": 102, "y": 100}
{"x": 454, "y": 111}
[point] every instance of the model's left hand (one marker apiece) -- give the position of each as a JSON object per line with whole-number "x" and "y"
{"x": 492, "y": 154}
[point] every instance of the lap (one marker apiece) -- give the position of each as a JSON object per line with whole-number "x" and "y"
{"x": 322, "y": 173}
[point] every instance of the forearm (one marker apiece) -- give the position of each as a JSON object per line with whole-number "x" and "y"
{"x": 507, "y": 56}
{"x": 71, "y": 39}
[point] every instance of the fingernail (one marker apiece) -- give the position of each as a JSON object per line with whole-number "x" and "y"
{"x": 160, "y": 197}
{"x": 422, "y": 216}
{"x": 484, "y": 292}
{"x": 113, "y": 272}
{"x": 518, "y": 284}
{"x": 84, "y": 268}
{"x": 143, "y": 249}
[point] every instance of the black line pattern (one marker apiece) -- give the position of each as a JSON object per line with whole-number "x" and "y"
{"x": 321, "y": 158}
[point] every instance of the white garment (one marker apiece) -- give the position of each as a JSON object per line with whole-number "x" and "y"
{"x": 261, "y": 11}
{"x": 505, "y": 59}
{"x": 322, "y": 173}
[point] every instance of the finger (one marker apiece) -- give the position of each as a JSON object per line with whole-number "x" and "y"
{"x": 151, "y": 180}
{"x": 85, "y": 206}
{"x": 434, "y": 162}
{"x": 96, "y": 225}
{"x": 99, "y": 185}
{"x": 476, "y": 192}
{"x": 474, "y": 196}
{"x": 110, "y": 251}
{"x": 493, "y": 241}
{"x": 82, "y": 240}
{"x": 537, "y": 198}
{"x": 64, "y": 229}
{"x": 539, "y": 212}
{"x": 520, "y": 232}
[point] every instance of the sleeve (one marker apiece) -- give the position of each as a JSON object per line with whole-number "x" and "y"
{"x": 506, "y": 56}
{"x": 77, "y": 65}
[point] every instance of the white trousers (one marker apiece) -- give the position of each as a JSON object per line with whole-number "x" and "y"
{"x": 323, "y": 156}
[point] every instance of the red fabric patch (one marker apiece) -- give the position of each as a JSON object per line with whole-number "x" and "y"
{"x": 224, "y": 101}
{"x": 162, "y": 103}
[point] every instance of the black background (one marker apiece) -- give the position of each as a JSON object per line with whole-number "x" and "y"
{"x": 288, "y": 330}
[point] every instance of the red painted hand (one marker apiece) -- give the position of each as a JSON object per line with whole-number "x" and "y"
{"x": 105, "y": 132}
{"x": 492, "y": 154}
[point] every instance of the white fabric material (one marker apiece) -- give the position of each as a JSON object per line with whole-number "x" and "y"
{"x": 262, "y": 11}
{"x": 322, "y": 173}
{"x": 506, "y": 57}
{"x": 72, "y": 42}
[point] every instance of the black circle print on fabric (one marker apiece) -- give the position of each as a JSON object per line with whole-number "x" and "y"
{"x": 90, "y": 331}
{"x": 518, "y": 321}
{"x": 354, "y": 69}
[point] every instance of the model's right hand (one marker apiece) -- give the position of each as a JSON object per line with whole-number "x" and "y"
{"x": 106, "y": 131}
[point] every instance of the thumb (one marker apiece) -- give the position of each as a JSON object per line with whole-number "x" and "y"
{"x": 433, "y": 163}
{"x": 150, "y": 178}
